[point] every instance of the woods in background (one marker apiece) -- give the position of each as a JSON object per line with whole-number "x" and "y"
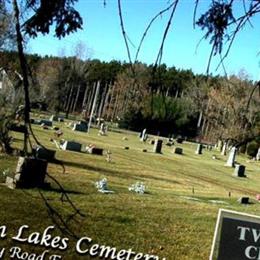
{"x": 170, "y": 101}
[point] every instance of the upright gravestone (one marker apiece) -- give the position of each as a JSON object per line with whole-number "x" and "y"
{"x": 231, "y": 157}
{"x": 71, "y": 146}
{"x": 178, "y": 150}
{"x": 54, "y": 118}
{"x": 157, "y": 148}
{"x": 143, "y": 135}
{"x": 224, "y": 149}
{"x": 46, "y": 122}
{"x": 239, "y": 170}
{"x": 199, "y": 149}
{"x": 258, "y": 155}
{"x": 79, "y": 127}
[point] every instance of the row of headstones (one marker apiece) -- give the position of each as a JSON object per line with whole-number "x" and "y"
{"x": 239, "y": 169}
{"x": 157, "y": 148}
{"x": 77, "y": 147}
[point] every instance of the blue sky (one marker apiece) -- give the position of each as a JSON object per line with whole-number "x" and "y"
{"x": 103, "y": 39}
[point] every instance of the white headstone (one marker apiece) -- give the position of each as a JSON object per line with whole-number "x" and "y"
{"x": 143, "y": 135}
{"x": 224, "y": 149}
{"x": 231, "y": 157}
{"x": 258, "y": 155}
{"x": 199, "y": 149}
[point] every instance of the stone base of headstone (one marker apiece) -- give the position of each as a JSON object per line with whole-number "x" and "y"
{"x": 239, "y": 170}
{"x": 96, "y": 151}
{"x": 71, "y": 146}
{"x": 158, "y": 146}
{"x": 178, "y": 150}
{"x": 30, "y": 173}
{"x": 243, "y": 200}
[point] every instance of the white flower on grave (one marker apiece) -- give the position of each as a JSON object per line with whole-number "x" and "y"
{"x": 138, "y": 187}
{"x": 102, "y": 184}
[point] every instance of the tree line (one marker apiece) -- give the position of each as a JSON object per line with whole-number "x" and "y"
{"x": 167, "y": 100}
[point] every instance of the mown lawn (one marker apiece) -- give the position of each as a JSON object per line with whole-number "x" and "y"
{"x": 165, "y": 221}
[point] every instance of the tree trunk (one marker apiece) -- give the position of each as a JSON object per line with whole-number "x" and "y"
{"x": 94, "y": 105}
{"x": 101, "y": 106}
{"x": 76, "y": 99}
{"x": 24, "y": 69}
{"x": 69, "y": 102}
{"x": 85, "y": 97}
{"x": 105, "y": 109}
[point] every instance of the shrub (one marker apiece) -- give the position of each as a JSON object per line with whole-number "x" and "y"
{"x": 252, "y": 148}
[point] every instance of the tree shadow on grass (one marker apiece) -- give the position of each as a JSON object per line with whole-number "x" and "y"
{"x": 118, "y": 173}
{"x": 57, "y": 190}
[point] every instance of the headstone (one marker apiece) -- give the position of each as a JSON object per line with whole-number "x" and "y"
{"x": 79, "y": 127}
{"x": 95, "y": 150}
{"x": 71, "y": 146}
{"x": 30, "y": 173}
{"x": 243, "y": 200}
{"x": 220, "y": 145}
{"x": 54, "y": 118}
{"x": 258, "y": 155}
{"x": 199, "y": 149}
{"x": 231, "y": 157}
{"x": 102, "y": 130}
{"x": 157, "y": 148}
{"x": 224, "y": 149}
{"x": 46, "y": 122}
{"x": 239, "y": 170}
{"x": 143, "y": 135}
{"x": 45, "y": 154}
{"x": 179, "y": 140}
{"x": 178, "y": 150}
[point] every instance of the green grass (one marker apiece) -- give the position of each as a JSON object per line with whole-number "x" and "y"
{"x": 165, "y": 221}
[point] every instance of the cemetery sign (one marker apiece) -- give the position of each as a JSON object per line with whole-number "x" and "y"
{"x": 237, "y": 237}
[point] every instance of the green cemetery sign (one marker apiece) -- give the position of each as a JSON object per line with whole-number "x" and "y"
{"x": 237, "y": 237}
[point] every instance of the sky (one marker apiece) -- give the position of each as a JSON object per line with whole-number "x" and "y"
{"x": 102, "y": 37}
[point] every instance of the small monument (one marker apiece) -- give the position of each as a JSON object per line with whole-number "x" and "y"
{"x": 231, "y": 157}
{"x": 157, "y": 148}
{"x": 258, "y": 155}
{"x": 178, "y": 150}
{"x": 224, "y": 149}
{"x": 53, "y": 118}
{"x": 71, "y": 146}
{"x": 143, "y": 136}
{"x": 239, "y": 170}
{"x": 46, "y": 122}
{"x": 103, "y": 129}
{"x": 81, "y": 127}
{"x": 199, "y": 149}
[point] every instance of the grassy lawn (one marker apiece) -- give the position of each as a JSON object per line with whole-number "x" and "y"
{"x": 175, "y": 219}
